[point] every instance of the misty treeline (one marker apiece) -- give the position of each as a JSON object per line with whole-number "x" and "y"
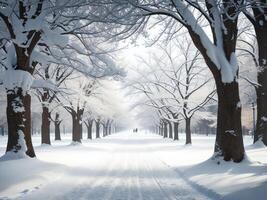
{"x": 71, "y": 37}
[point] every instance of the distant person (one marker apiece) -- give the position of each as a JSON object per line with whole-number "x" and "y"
{"x": 136, "y": 130}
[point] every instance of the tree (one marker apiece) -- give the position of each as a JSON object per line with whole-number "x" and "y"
{"x": 27, "y": 27}
{"x": 175, "y": 84}
{"x": 77, "y": 101}
{"x": 256, "y": 12}
{"x": 57, "y": 123}
{"x": 56, "y": 74}
{"x": 218, "y": 52}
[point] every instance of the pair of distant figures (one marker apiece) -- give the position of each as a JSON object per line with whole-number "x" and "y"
{"x": 135, "y": 130}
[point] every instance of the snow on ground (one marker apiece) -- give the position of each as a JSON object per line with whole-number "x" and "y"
{"x": 133, "y": 166}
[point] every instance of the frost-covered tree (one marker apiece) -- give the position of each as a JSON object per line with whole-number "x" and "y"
{"x": 30, "y": 30}
{"x": 177, "y": 84}
{"x": 55, "y": 74}
{"x": 256, "y": 12}
{"x": 81, "y": 89}
{"x": 212, "y": 26}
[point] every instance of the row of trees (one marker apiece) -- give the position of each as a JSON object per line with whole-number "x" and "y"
{"x": 42, "y": 44}
{"x": 213, "y": 27}
{"x": 175, "y": 86}
{"x": 39, "y": 26}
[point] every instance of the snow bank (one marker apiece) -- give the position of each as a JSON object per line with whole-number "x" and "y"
{"x": 16, "y": 153}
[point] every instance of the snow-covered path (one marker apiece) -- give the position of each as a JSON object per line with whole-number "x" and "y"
{"x": 120, "y": 167}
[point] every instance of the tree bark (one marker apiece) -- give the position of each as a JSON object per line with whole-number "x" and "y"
{"x": 57, "y": 127}
{"x": 89, "y": 130}
{"x": 57, "y": 131}
{"x": 165, "y": 130}
{"x": 81, "y": 129}
{"x": 170, "y": 130}
{"x": 76, "y": 137}
{"x": 19, "y": 120}
{"x": 229, "y": 141}
{"x": 109, "y": 129}
{"x": 188, "y": 131}
{"x": 175, "y": 128}
{"x": 261, "y": 90}
{"x": 45, "y": 127}
{"x": 97, "y": 125}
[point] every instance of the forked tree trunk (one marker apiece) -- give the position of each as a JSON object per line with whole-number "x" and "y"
{"x": 229, "y": 141}
{"x": 45, "y": 127}
{"x": 188, "y": 131}
{"x": 19, "y": 121}
{"x": 175, "y": 129}
{"x": 97, "y": 126}
{"x": 170, "y": 130}
{"x": 165, "y": 130}
{"x": 261, "y": 91}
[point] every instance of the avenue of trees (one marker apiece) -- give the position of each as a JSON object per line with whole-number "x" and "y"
{"x": 45, "y": 45}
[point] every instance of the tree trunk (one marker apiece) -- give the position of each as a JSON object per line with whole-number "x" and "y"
{"x": 19, "y": 121}
{"x": 165, "y": 130}
{"x": 229, "y": 141}
{"x": 104, "y": 130}
{"x": 97, "y": 125}
{"x": 170, "y": 130}
{"x": 175, "y": 128}
{"x": 261, "y": 90}
{"x": 89, "y": 130}
{"x": 81, "y": 129}
{"x": 57, "y": 131}
{"x": 76, "y": 137}
{"x": 109, "y": 129}
{"x": 45, "y": 127}
{"x": 188, "y": 131}
{"x": 57, "y": 123}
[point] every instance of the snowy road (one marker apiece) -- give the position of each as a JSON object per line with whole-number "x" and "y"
{"x": 120, "y": 167}
{"x": 129, "y": 166}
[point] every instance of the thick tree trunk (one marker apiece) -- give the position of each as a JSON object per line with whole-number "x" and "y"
{"x": 97, "y": 126}
{"x": 76, "y": 137}
{"x": 175, "y": 129}
{"x": 261, "y": 91}
{"x": 89, "y": 130}
{"x": 229, "y": 141}
{"x": 19, "y": 122}
{"x": 45, "y": 127}
{"x": 188, "y": 131}
{"x": 170, "y": 130}
{"x": 165, "y": 130}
